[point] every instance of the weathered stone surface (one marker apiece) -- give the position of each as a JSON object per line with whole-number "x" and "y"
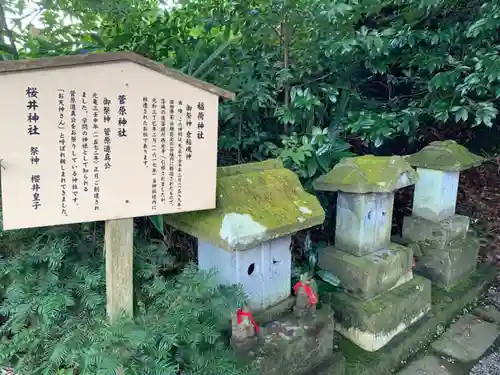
{"x": 249, "y": 168}
{"x": 274, "y": 312}
{"x": 444, "y": 156}
{"x": 334, "y": 366}
{"x": 290, "y": 348}
{"x": 363, "y": 222}
{"x": 372, "y": 324}
{"x": 263, "y": 271}
{"x": 467, "y": 339}
{"x": 488, "y": 313}
{"x": 435, "y": 235}
{"x": 435, "y": 196}
{"x": 244, "y": 345}
{"x": 253, "y": 206}
{"x": 428, "y": 365}
{"x": 446, "y": 267}
{"x": 368, "y": 174}
{"x": 445, "y": 306}
{"x": 369, "y": 275}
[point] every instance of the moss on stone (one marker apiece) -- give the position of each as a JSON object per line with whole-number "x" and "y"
{"x": 383, "y": 314}
{"x": 253, "y": 206}
{"x": 334, "y": 366}
{"x": 289, "y": 347}
{"x": 445, "y": 306}
{"x": 445, "y": 156}
{"x": 368, "y": 174}
{"x": 367, "y": 276}
{"x": 249, "y": 167}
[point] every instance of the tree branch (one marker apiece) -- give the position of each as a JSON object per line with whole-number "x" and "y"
{"x": 285, "y": 33}
{"x": 10, "y": 34}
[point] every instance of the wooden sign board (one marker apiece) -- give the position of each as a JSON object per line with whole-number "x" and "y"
{"x": 102, "y": 137}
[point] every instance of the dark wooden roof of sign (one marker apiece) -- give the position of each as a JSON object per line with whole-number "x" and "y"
{"x": 108, "y": 57}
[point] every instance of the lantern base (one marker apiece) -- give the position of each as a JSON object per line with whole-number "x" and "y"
{"x": 374, "y": 323}
{"x": 292, "y": 345}
{"x": 295, "y": 346}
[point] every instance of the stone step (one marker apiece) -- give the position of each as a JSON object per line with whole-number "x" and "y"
{"x": 488, "y": 313}
{"x": 467, "y": 339}
{"x": 428, "y": 365}
{"x": 445, "y": 305}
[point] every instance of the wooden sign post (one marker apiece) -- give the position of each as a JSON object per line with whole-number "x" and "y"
{"x": 119, "y": 247}
{"x": 118, "y": 243}
{"x": 105, "y": 136}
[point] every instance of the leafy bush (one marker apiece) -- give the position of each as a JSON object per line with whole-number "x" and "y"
{"x": 370, "y": 71}
{"x": 54, "y": 301}
{"x": 308, "y": 156}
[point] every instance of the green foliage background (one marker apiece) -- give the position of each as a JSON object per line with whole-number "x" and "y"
{"x": 315, "y": 80}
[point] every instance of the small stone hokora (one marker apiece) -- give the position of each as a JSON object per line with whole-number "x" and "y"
{"x": 306, "y": 296}
{"x": 243, "y": 325}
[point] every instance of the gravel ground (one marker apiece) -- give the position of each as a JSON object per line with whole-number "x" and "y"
{"x": 489, "y": 365}
{"x": 493, "y": 295}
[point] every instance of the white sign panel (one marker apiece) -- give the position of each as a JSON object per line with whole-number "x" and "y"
{"x": 104, "y": 141}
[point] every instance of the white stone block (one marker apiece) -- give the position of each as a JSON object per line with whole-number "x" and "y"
{"x": 364, "y": 222}
{"x": 264, "y": 271}
{"x": 435, "y": 196}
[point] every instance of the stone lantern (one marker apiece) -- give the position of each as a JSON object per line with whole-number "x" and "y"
{"x": 446, "y": 252}
{"x": 382, "y": 297}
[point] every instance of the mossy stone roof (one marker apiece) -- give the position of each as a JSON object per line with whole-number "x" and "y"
{"x": 368, "y": 174}
{"x": 249, "y": 167}
{"x": 255, "y": 202}
{"x": 445, "y": 156}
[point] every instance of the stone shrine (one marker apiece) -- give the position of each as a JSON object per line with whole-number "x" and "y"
{"x": 382, "y": 297}
{"x": 247, "y": 240}
{"x": 445, "y": 250}
{"x": 247, "y": 237}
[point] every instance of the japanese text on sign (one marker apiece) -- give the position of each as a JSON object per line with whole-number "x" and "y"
{"x": 107, "y": 147}
{"x": 33, "y": 129}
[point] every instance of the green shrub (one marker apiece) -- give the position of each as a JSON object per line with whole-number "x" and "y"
{"x": 53, "y": 286}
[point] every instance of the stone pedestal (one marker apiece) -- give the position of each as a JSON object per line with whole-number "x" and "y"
{"x": 446, "y": 252}
{"x": 369, "y": 275}
{"x": 372, "y": 324}
{"x": 290, "y": 345}
{"x": 381, "y": 298}
{"x": 437, "y": 234}
{"x": 446, "y": 305}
